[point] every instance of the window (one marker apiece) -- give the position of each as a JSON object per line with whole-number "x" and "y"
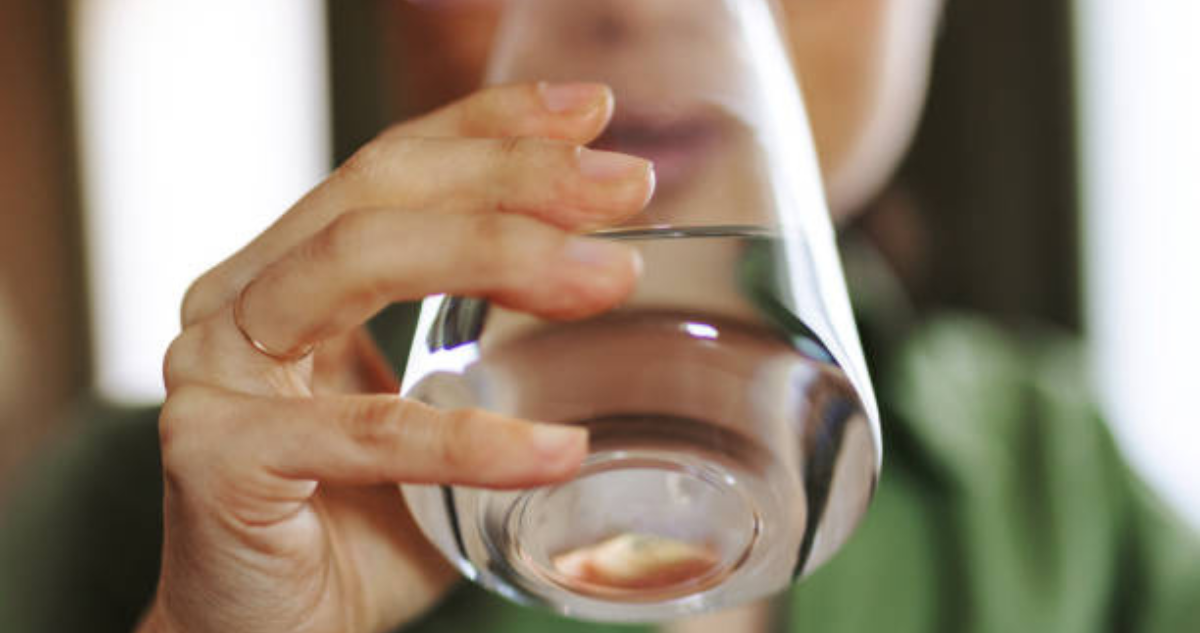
{"x": 1140, "y": 134}
{"x": 200, "y": 121}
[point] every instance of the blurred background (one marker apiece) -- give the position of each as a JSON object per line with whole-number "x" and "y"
{"x": 1055, "y": 173}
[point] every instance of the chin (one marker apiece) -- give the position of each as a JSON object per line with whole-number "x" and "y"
{"x": 849, "y": 191}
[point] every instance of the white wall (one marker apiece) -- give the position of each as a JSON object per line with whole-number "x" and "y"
{"x": 200, "y": 121}
{"x": 1140, "y": 135}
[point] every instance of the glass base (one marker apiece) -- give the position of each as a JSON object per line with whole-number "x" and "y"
{"x": 667, "y": 517}
{"x": 634, "y": 526}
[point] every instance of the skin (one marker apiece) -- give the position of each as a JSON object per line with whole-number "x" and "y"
{"x": 863, "y": 65}
{"x": 281, "y": 507}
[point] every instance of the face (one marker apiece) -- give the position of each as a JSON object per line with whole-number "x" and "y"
{"x": 863, "y": 65}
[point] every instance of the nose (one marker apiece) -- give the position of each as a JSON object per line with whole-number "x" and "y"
{"x": 609, "y": 29}
{"x": 613, "y": 23}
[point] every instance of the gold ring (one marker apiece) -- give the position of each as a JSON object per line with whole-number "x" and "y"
{"x": 290, "y": 356}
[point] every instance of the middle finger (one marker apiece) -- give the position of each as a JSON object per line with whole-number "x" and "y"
{"x": 566, "y": 185}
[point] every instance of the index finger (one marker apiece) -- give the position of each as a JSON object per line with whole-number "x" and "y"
{"x": 575, "y": 112}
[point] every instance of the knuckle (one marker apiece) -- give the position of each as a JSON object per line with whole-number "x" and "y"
{"x": 501, "y": 246}
{"x": 514, "y": 147}
{"x": 370, "y": 160}
{"x": 198, "y": 301}
{"x": 339, "y": 240}
{"x": 179, "y": 359}
{"x": 348, "y": 246}
{"x": 457, "y": 439}
{"x": 374, "y": 427}
{"x": 373, "y": 423}
{"x": 203, "y": 354}
{"x": 182, "y": 415}
{"x": 557, "y": 154}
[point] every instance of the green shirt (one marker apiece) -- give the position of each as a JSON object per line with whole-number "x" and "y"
{"x": 1004, "y": 507}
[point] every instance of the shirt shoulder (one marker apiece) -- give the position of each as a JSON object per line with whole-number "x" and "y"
{"x": 1047, "y": 523}
{"x": 976, "y": 394}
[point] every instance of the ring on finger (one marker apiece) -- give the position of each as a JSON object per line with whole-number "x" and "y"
{"x": 239, "y": 320}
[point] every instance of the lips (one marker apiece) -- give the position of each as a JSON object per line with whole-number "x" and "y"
{"x": 677, "y": 144}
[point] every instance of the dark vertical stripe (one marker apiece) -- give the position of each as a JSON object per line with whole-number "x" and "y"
{"x": 355, "y": 75}
{"x": 993, "y": 166}
{"x": 822, "y": 455}
{"x": 452, "y": 514}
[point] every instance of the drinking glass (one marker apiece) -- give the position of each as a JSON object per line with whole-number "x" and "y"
{"x": 734, "y": 435}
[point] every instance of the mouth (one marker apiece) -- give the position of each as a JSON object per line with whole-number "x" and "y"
{"x": 677, "y": 143}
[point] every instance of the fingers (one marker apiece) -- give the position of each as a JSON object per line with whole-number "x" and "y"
{"x": 368, "y": 259}
{"x": 387, "y": 172}
{"x": 560, "y": 183}
{"x": 575, "y": 112}
{"x": 278, "y": 446}
{"x": 565, "y": 185}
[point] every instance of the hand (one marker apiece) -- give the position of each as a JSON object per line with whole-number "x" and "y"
{"x": 281, "y": 506}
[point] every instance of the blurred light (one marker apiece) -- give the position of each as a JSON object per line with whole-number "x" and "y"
{"x": 1140, "y": 134}
{"x": 200, "y": 122}
{"x": 701, "y": 330}
{"x": 425, "y": 360}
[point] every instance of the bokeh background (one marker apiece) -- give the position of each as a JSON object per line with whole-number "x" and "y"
{"x": 1055, "y": 182}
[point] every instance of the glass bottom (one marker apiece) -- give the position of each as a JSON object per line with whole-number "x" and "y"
{"x": 668, "y": 517}
{"x": 635, "y": 526}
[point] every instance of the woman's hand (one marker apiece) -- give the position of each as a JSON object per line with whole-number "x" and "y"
{"x": 281, "y": 506}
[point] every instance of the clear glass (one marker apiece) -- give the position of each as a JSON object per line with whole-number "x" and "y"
{"x": 734, "y": 432}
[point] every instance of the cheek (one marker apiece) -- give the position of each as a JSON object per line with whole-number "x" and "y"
{"x": 864, "y": 65}
{"x": 836, "y": 48}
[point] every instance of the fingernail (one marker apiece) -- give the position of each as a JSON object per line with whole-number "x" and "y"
{"x": 560, "y": 98}
{"x": 551, "y": 439}
{"x": 601, "y": 165}
{"x": 599, "y": 253}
